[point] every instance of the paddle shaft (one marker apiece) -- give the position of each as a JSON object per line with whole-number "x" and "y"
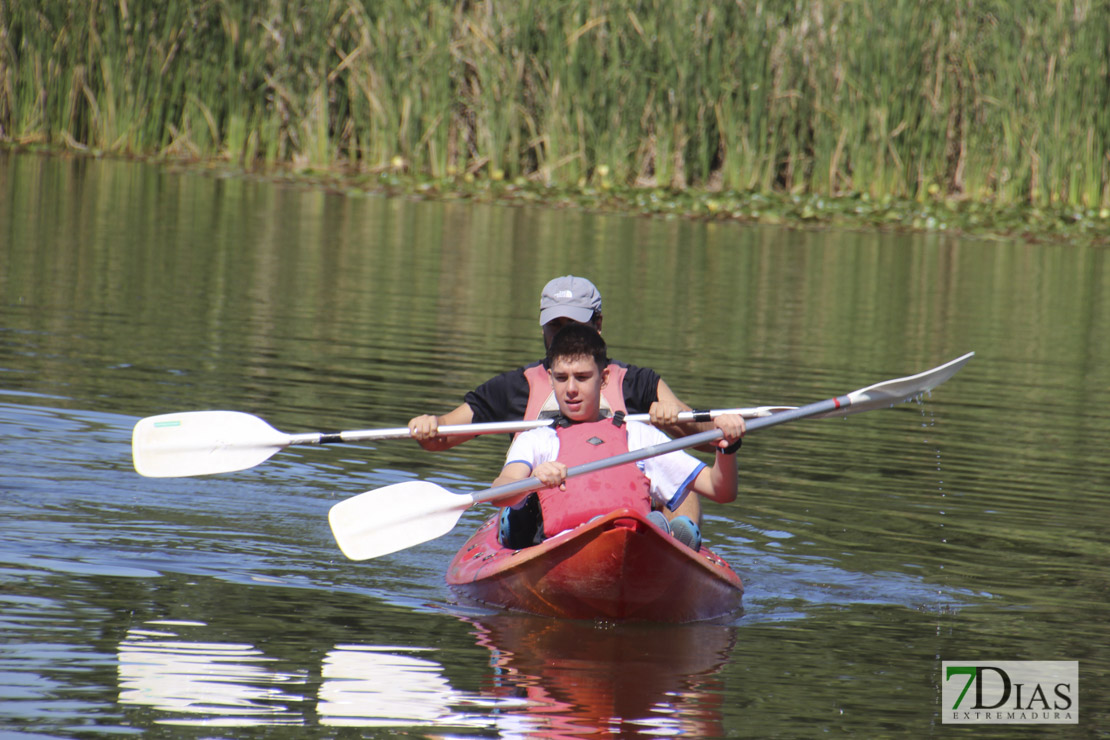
{"x": 506, "y": 427}
{"x": 206, "y": 442}
{"x": 693, "y": 440}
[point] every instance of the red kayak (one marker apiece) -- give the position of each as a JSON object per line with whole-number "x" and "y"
{"x": 619, "y": 566}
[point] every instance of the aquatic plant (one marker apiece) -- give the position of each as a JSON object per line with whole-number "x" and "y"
{"x": 1000, "y": 102}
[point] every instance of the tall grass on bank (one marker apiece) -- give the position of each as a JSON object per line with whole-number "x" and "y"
{"x": 1008, "y": 101}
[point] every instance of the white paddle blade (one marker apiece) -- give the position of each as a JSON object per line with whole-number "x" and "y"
{"x": 895, "y": 391}
{"x": 393, "y": 518}
{"x": 891, "y": 392}
{"x": 202, "y": 443}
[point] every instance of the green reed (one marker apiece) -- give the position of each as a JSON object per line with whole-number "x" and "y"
{"x": 1000, "y": 101}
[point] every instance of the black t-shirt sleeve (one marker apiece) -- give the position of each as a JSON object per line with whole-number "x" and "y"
{"x": 503, "y": 397}
{"x": 641, "y": 389}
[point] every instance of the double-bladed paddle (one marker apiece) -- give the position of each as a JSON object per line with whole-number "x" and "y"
{"x": 402, "y": 515}
{"x": 206, "y": 442}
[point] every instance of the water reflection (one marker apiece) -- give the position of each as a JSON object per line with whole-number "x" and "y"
{"x": 581, "y": 678}
{"x": 546, "y": 678}
{"x": 225, "y": 684}
{"x": 372, "y": 686}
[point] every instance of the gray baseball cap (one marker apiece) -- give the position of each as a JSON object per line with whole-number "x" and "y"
{"x": 570, "y": 296}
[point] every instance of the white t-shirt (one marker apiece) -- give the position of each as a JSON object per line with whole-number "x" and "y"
{"x": 670, "y": 474}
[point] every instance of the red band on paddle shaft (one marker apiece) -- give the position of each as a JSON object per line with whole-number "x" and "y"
{"x": 837, "y": 402}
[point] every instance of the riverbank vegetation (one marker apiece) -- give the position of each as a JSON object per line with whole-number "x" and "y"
{"x": 925, "y": 114}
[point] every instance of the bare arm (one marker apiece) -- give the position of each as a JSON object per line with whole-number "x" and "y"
{"x": 425, "y": 428}
{"x": 551, "y": 474}
{"x": 664, "y": 414}
{"x": 720, "y": 482}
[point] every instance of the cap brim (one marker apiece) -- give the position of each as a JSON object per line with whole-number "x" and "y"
{"x": 581, "y": 315}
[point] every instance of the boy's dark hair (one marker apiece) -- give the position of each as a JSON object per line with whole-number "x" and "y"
{"x": 578, "y": 340}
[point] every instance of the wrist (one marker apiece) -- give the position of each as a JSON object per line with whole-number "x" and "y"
{"x": 732, "y": 448}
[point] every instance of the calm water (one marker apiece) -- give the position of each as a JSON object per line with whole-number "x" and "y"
{"x": 971, "y": 526}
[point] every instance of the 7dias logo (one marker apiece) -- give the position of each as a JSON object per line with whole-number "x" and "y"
{"x": 1010, "y": 692}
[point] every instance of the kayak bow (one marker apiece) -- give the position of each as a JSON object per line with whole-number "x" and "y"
{"x": 619, "y": 566}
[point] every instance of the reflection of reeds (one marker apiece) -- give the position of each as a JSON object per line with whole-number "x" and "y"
{"x": 990, "y": 99}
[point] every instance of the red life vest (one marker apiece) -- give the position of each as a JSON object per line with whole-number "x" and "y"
{"x": 587, "y": 496}
{"x": 541, "y": 398}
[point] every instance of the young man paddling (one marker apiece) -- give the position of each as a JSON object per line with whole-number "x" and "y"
{"x": 525, "y": 393}
{"x": 578, "y": 372}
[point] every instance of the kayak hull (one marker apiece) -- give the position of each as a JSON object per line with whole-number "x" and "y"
{"x": 616, "y": 567}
